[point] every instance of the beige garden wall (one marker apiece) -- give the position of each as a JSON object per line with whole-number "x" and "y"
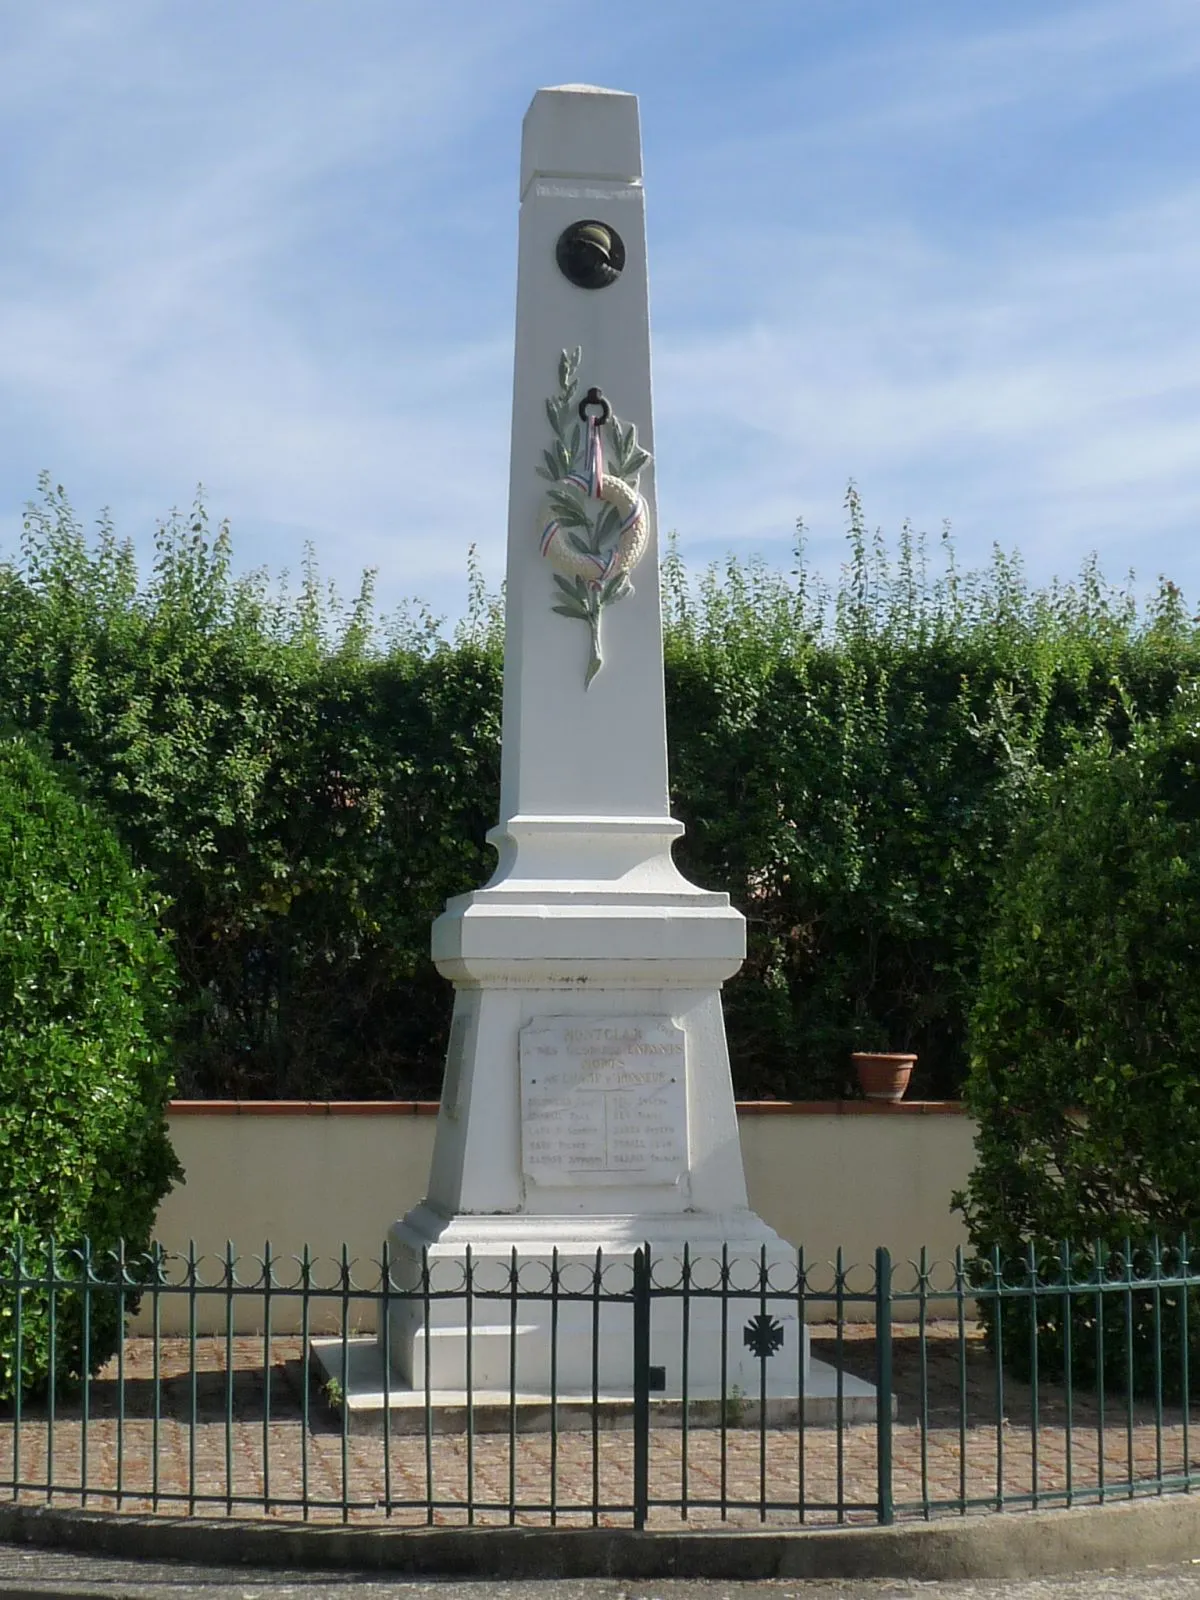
{"x": 840, "y": 1173}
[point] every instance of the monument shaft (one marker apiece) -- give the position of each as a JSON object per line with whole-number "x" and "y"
{"x": 559, "y": 756}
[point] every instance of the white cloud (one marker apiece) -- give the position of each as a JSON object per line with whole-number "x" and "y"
{"x": 1049, "y": 396}
{"x": 267, "y": 257}
{"x": 152, "y": 340}
{"x": 937, "y": 72}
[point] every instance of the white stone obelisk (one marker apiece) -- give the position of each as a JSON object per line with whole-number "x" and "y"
{"x": 587, "y": 1101}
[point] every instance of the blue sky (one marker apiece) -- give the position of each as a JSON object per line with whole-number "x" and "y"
{"x": 951, "y": 251}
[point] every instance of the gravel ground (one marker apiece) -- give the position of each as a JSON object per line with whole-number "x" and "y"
{"x": 26, "y": 1572}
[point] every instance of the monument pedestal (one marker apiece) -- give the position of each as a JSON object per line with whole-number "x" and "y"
{"x": 588, "y": 1111}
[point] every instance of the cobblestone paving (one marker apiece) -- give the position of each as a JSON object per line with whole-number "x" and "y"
{"x": 249, "y": 1448}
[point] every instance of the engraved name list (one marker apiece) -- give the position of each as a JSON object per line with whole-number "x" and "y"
{"x": 603, "y": 1100}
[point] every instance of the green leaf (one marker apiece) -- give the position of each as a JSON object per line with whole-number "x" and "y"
{"x": 607, "y": 524}
{"x": 616, "y": 588}
{"x": 568, "y": 510}
{"x": 568, "y": 365}
{"x": 569, "y": 518}
{"x": 571, "y": 611}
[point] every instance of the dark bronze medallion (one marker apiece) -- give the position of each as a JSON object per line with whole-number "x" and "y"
{"x": 590, "y": 254}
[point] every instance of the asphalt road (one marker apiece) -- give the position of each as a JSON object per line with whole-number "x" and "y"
{"x": 25, "y": 1572}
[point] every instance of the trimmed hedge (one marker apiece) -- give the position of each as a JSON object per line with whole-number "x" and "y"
{"x": 1085, "y": 1036}
{"x": 1085, "y": 1056}
{"x": 308, "y": 787}
{"x": 85, "y": 1018}
{"x": 851, "y": 767}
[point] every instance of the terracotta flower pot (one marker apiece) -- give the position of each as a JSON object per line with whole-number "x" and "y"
{"x": 883, "y": 1076}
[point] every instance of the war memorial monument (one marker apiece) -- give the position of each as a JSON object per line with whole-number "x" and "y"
{"x": 587, "y": 1108}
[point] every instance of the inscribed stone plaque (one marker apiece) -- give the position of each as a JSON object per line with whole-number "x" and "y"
{"x": 603, "y": 1100}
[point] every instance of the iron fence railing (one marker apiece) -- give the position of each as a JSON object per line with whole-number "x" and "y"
{"x": 713, "y": 1390}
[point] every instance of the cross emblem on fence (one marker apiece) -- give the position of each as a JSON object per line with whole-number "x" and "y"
{"x": 763, "y": 1335}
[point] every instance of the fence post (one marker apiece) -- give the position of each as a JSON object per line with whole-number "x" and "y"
{"x": 883, "y": 1383}
{"x": 18, "y": 1360}
{"x": 641, "y": 1386}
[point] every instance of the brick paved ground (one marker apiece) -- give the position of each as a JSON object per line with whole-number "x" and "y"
{"x": 270, "y": 1456}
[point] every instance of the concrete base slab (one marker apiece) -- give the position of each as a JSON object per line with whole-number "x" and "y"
{"x": 353, "y": 1385}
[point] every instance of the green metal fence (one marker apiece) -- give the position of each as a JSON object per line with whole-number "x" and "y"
{"x": 1059, "y": 1378}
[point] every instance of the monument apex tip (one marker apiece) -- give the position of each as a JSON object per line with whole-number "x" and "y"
{"x": 585, "y": 88}
{"x": 577, "y": 130}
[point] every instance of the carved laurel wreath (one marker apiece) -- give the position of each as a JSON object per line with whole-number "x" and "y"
{"x": 595, "y": 525}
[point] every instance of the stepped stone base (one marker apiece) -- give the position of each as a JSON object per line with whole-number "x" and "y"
{"x": 360, "y": 1395}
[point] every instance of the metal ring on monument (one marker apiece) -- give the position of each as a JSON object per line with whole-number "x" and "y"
{"x": 594, "y": 398}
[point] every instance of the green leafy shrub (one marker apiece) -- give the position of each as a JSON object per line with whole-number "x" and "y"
{"x": 850, "y": 768}
{"x": 308, "y": 786}
{"x": 305, "y": 798}
{"x": 1118, "y": 1316}
{"x": 85, "y": 1015}
{"x": 1085, "y": 1037}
